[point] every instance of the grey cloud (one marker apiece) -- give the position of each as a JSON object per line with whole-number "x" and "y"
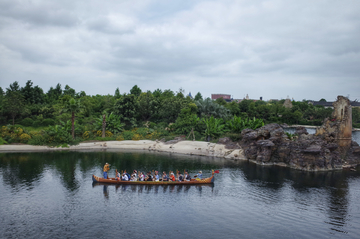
{"x": 37, "y": 14}
{"x": 278, "y": 46}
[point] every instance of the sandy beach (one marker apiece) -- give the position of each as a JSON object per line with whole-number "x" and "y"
{"x": 180, "y": 147}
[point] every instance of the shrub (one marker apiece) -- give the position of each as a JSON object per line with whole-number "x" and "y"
{"x": 12, "y": 133}
{"x": 136, "y": 137}
{"x": 86, "y": 135}
{"x": 128, "y": 135}
{"x": 37, "y": 123}
{"x": 47, "y": 122}
{"x": 24, "y": 138}
{"x": 144, "y": 131}
{"x": 152, "y": 125}
{"x": 104, "y": 139}
{"x": 108, "y": 134}
{"x": 37, "y": 140}
{"x": 2, "y": 141}
{"x": 27, "y": 122}
{"x": 153, "y": 135}
{"x": 120, "y": 138}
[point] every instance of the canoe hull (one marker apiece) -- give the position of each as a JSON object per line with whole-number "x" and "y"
{"x": 210, "y": 180}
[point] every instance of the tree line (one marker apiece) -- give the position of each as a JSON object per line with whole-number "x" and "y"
{"x": 65, "y": 115}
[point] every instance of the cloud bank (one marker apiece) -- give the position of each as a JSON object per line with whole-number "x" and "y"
{"x": 274, "y": 49}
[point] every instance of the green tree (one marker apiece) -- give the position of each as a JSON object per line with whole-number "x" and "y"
{"x": 233, "y": 107}
{"x": 13, "y": 104}
{"x": 69, "y": 91}
{"x": 13, "y": 87}
{"x": 53, "y": 94}
{"x": 221, "y": 101}
{"x": 135, "y": 90}
{"x": 147, "y": 106}
{"x": 214, "y": 127}
{"x": 356, "y": 116}
{"x": 126, "y": 107}
{"x": 32, "y": 95}
{"x": 80, "y": 94}
{"x": 187, "y": 119}
{"x": 198, "y": 96}
{"x": 113, "y": 123}
{"x": 117, "y": 93}
{"x": 73, "y": 106}
{"x": 170, "y": 108}
{"x": 209, "y": 108}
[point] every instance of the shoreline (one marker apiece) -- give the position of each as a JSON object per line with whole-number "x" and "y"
{"x": 184, "y": 147}
{"x": 313, "y": 127}
{"x": 199, "y": 148}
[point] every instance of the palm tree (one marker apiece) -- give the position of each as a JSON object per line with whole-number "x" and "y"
{"x": 73, "y": 106}
{"x": 208, "y": 108}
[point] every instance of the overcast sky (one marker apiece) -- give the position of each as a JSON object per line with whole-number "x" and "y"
{"x": 302, "y": 49}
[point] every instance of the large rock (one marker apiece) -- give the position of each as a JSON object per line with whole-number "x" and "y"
{"x": 330, "y": 148}
{"x": 270, "y": 145}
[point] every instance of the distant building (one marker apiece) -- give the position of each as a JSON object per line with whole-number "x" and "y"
{"x": 190, "y": 95}
{"x": 248, "y": 98}
{"x": 217, "y": 96}
{"x": 287, "y": 103}
{"x": 330, "y": 104}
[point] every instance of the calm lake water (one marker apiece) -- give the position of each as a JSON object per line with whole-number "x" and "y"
{"x": 51, "y": 195}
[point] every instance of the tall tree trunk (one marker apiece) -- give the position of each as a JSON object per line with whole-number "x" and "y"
{"x": 13, "y": 120}
{"x": 72, "y": 124}
{"x": 103, "y": 126}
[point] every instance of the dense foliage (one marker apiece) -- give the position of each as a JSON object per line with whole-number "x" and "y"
{"x": 62, "y": 115}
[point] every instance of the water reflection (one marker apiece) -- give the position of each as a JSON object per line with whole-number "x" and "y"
{"x": 150, "y": 188}
{"x": 324, "y": 202}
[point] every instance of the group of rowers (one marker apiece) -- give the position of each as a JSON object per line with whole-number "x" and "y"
{"x": 124, "y": 176}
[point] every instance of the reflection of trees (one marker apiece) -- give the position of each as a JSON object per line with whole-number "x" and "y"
{"x": 333, "y": 185}
{"x": 270, "y": 176}
{"x": 21, "y": 168}
{"x": 65, "y": 164}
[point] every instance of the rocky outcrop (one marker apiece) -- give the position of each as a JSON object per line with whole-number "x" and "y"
{"x": 330, "y": 148}
{"x": 270, "y": 145}
{"x": 338, "y": 129}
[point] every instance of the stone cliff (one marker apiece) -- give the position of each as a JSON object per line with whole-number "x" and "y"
{"x": 329, "y": 149}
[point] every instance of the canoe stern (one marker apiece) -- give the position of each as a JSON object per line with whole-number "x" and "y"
{"x": 94, "y": 179}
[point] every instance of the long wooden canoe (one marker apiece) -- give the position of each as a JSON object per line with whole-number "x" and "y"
{"x": 192, "y": 182}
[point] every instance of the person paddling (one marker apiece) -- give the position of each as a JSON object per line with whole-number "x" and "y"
{"x": 106, "y": 169}
{"x": 180, "y": 178}
{"x": 148, "y": 177}
{"x": 117, "y": 175}
{"x": 165, "y": 177}
{"x": 187, "y": 176}
{"x": 156, "y": 176}
{"x": 172, "y": 177}
{"x": 124, "y": 177}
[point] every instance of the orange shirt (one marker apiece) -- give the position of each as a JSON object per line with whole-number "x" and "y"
{"x": 172, "y": 178}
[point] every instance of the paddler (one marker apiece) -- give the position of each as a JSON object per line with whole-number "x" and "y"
{"x": 106, "y": 169}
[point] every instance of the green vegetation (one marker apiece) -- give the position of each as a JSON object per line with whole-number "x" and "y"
{"x": 62, "y": 116}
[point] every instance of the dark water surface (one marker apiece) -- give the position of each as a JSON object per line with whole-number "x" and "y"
{"x": 51, "y": 195}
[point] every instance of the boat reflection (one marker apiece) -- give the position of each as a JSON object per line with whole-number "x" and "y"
{"x": 151, "y": 188}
